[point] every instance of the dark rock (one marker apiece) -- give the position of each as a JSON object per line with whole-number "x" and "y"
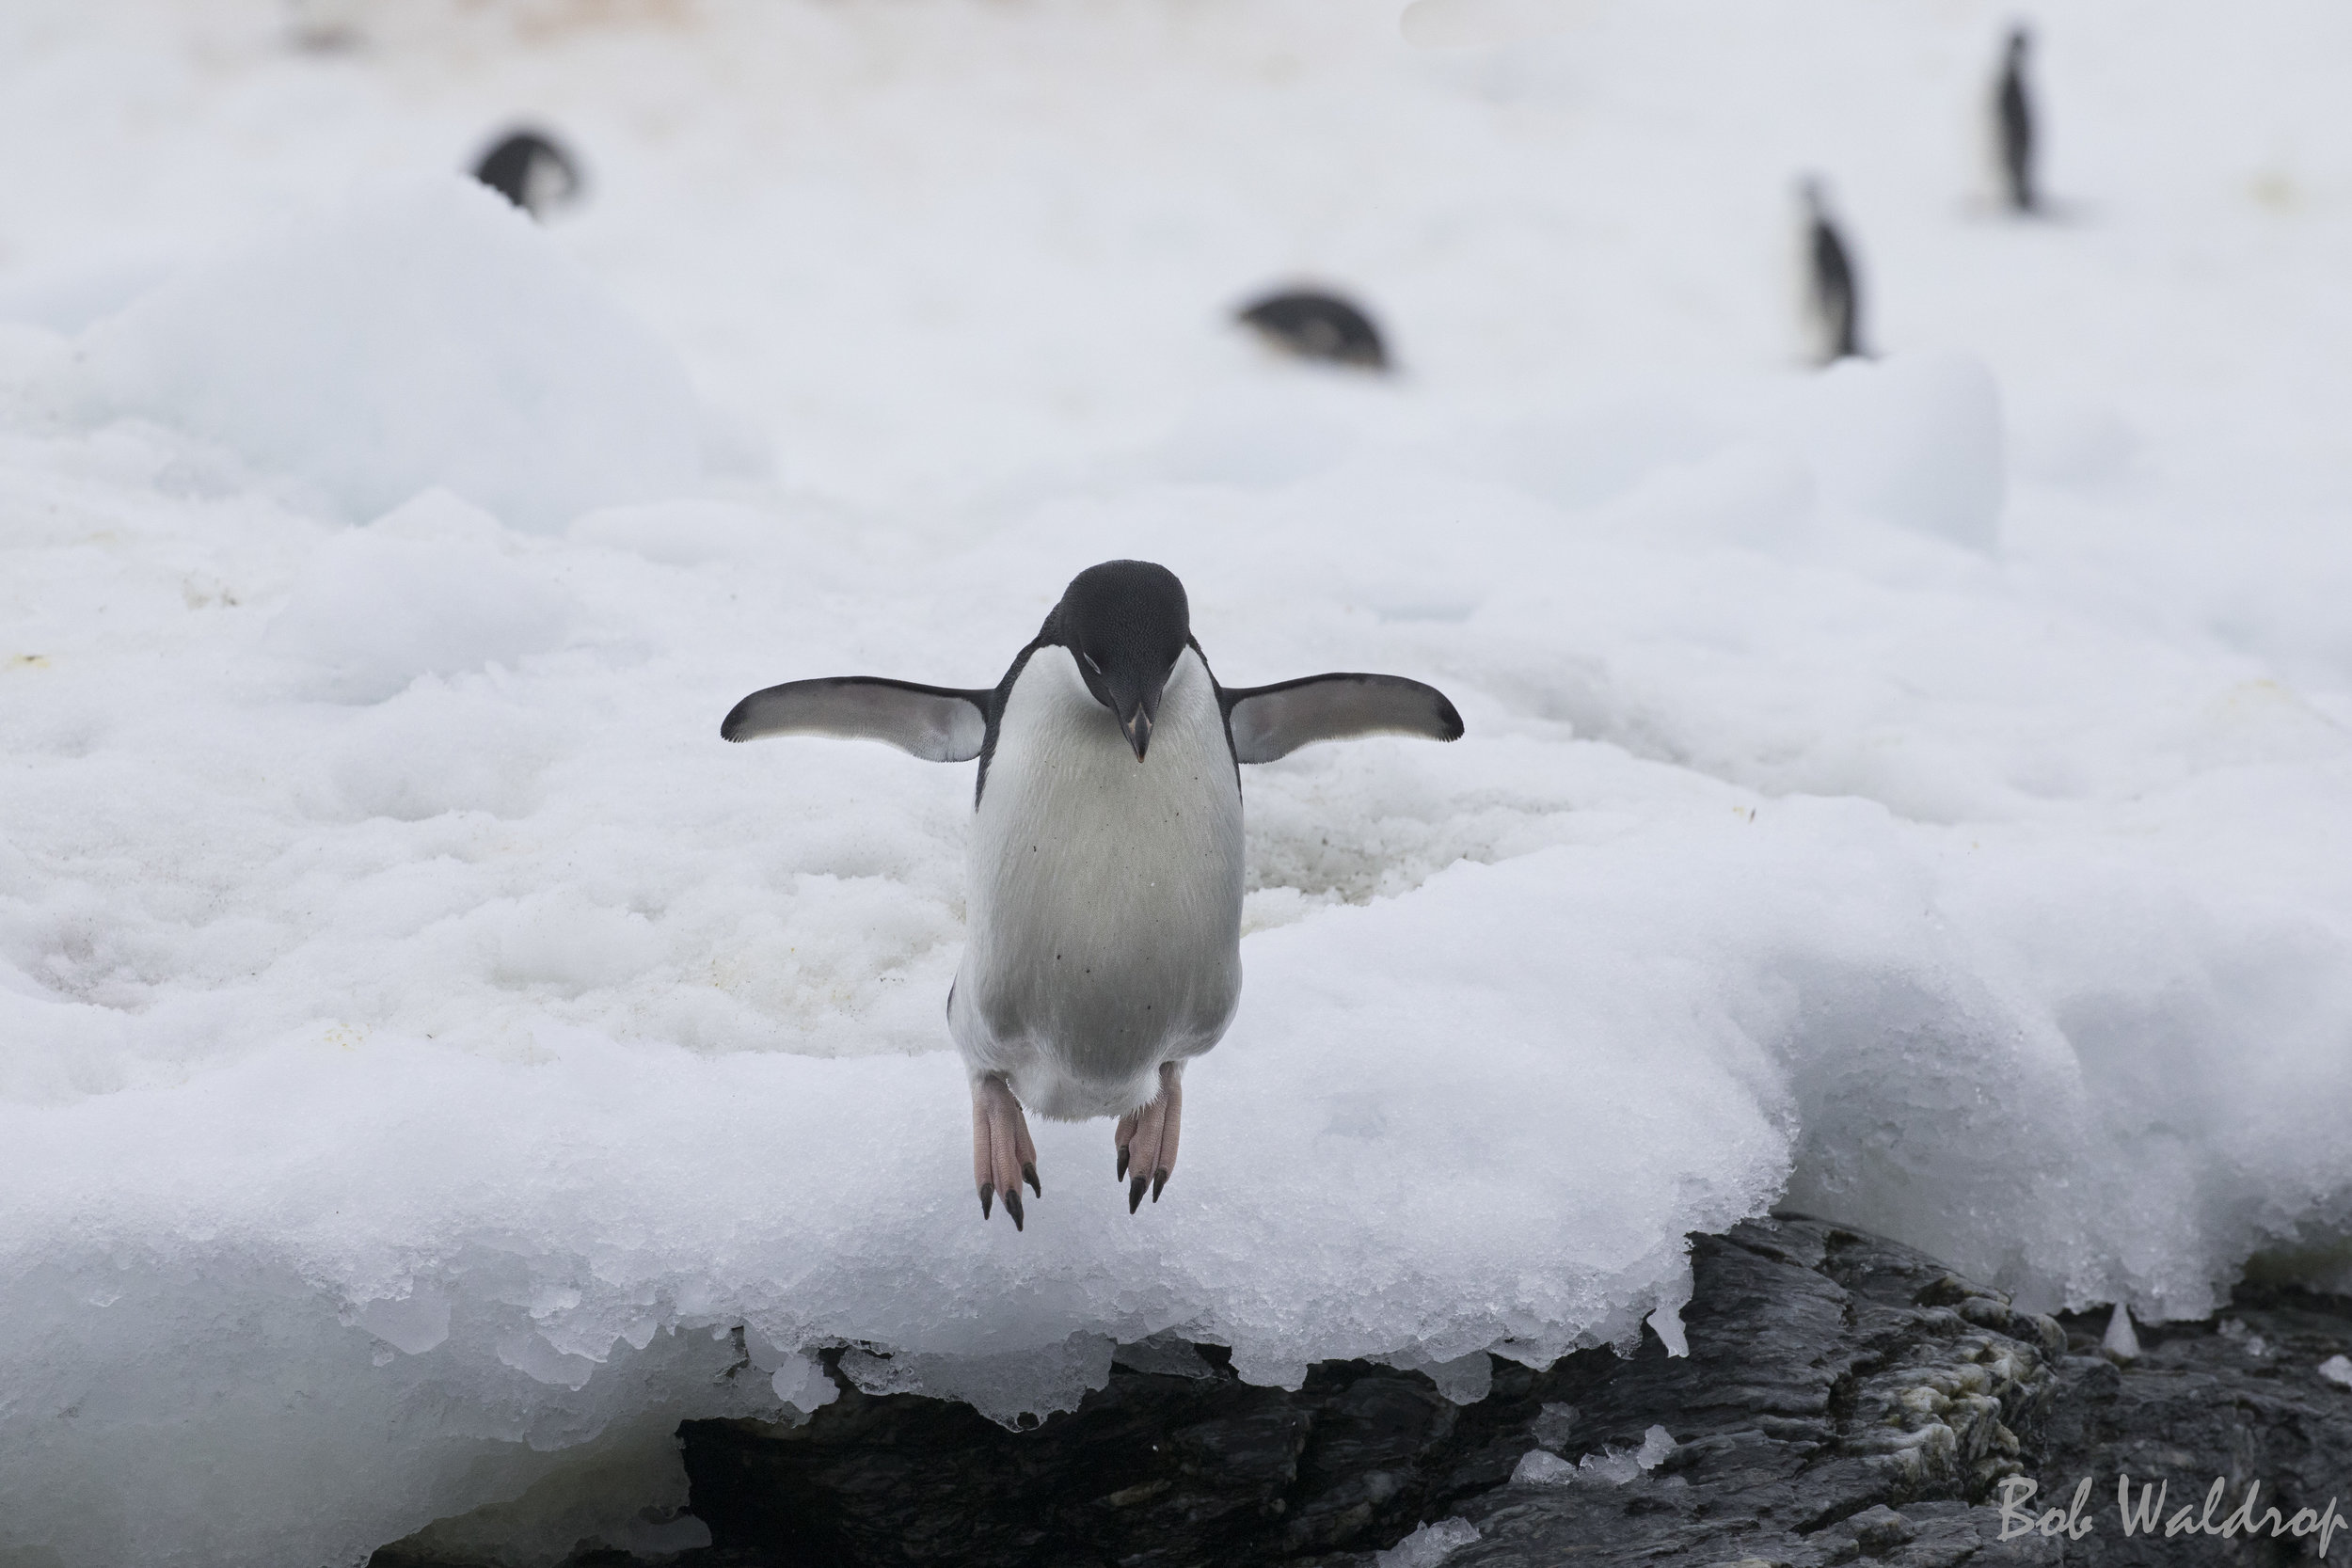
{"x": 1845, "y": 1397}
{"x": 1833, "y": 1380}
{"x": 2237, "y": 1399}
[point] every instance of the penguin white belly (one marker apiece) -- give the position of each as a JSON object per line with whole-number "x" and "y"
{"x": 1105, "y": 893}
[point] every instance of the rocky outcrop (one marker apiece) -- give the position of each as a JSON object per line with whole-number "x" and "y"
{"x": 1844, "y": 1397}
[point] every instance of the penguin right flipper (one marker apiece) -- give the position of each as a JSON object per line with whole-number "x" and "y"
{"x": 937, "y": 723}
{"x": 1270, "y": 721}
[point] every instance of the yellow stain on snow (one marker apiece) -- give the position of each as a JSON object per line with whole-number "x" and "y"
{"x": 2275, "y": 189}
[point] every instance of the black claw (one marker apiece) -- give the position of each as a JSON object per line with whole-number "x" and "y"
{"x": 1159, "y": 1179}
{"x": 1122, "y": 1160}
{"x": 1028, "y": 1174}
{"x": 1134, "y": 1193}
{"x": 988, "y": 1193}
{"x": 1013, "y": 1207}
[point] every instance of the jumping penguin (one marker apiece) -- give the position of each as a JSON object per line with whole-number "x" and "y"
{"x": 1833, "y": 293}
{"x": 1317, "y": 325}
{"x": 1105, "y": 874}
{"x": 531, "y": 172}
{"x": 2012, "y": 113}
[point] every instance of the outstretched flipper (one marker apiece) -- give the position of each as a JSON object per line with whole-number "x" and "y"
{"x": 1002, "y": 1155}
{"x": 1270, "y": 721}
{"x": 1145, "y": 1137}
{"x": 937, "y": 723}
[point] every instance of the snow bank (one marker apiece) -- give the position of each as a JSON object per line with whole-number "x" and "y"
{"x": 438, "y": 1065}
{"x": 421, "y": 333}
{"x": 496, "y": 1047}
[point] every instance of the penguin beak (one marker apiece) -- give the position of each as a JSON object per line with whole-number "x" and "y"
{"x": 1137, "y": 726}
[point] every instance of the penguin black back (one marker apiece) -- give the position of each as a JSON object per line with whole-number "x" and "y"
{"x": 1314, "y": 324}
{"x": 2013, "y": 116}
{"x": 530, "y": 170}
{"x": 1834, "y": 290}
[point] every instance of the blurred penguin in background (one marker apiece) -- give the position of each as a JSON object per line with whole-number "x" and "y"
{"x": 531, "y": 172}
{"x": 1832, "y": 294}
{"x": 325, "y": 24}
{"x": 2013, "y": 128}
{"x": 1314, "y": 324}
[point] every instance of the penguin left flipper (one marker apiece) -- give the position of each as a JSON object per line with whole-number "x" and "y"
{"x": 936, "y": 723}
{"x": 1270, "y": 721}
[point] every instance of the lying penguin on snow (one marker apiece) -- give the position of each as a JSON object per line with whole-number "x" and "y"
{"x": 1104, "y": 872}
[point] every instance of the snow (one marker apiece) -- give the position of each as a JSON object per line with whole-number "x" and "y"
{"x": 420, "y": 332}
{"x": 1914, "y": 794}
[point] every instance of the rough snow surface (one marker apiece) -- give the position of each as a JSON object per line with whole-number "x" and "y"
{"x": 1916, "y": 794}
{"x": 419, "y": 332}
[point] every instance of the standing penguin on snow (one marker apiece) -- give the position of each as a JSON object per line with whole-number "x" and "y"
{"x": 530, "y": 170}
{"x": 1105, "y": 865}
{"x": 1833, "y": 293}
{"x": 2012, "y": 115}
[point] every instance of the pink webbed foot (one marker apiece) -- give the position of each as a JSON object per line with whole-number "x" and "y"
{"x": 1002, "y": 1155}
{"x": 1147, "y": 1138}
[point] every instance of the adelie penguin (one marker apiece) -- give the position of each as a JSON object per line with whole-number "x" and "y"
{"x": 1832, "y": 292}
{"x": 1313, "y": 324}
{"x": 531, "y": 172}
{"x": 1105, "y": 883}
{"x": 2012, "y": 127}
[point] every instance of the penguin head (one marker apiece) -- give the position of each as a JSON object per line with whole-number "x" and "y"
{"x": 2019, "y": 40}
{"x": 1125, "y": 624}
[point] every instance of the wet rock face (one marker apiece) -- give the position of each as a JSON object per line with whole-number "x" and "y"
{"x": 1830, "y": 1374}
{"x": 1845, "y": 1399}
{"x": 2239, "y": 1399}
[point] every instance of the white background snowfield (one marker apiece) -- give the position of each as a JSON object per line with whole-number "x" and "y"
{"x": 1918, "y": 794}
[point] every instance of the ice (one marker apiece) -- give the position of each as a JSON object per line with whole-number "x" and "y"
{"x": 421, "y": 332}
{"x": 1554, "y": 1423}
{"x": 1608, "y": 1468}
{"x": 2120, "y": 1340}
{"x": 1166, "y": 1356}
{"x": 1429, "y": 1545}
{"x": 1542, "y": 1468}
{"x": 2338, "y": 1370}
{"x": 1915, "y": 794}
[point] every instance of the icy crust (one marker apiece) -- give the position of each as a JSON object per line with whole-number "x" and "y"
{"x": 430, "y": 1251}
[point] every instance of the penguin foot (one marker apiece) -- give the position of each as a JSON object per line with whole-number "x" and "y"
{"x": 1147, "y": 1138}
{"x": 1002, "y": 1155}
